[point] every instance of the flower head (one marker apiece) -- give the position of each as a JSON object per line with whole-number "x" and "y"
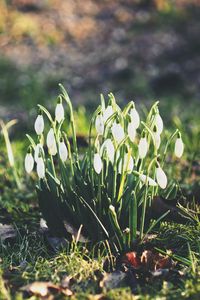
{"x": 135, "y": 118}
{"x": 99, "y": 124}
{"x": 40, "y": 168}
{"x": 159, "y": 123}
{"x": 117, "y": 132}
{"x": 59, "y": 112}
{"x": 97, "y": 163}
{"x": 39, "y": 124}
{"x": 131, "y": 131}
{"x": 37, "y": 151}
{"x": 63, "y": 152}
{"x": 143, "y": 147}
{"x": 128, "y": 164}
{"x": 179, "y": 147}
{"x": 29, "y": 162}
{"x": 161, "y": 177}
{"x": 107, "y": 113}
{"x": 109, "y": 148}
{"x": 147, "y": 180}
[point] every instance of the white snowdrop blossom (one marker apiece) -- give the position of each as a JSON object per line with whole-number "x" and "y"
{"x": 107, "y": 113}
{"x": 59, "y": 112}
{"x": 99, "y": 124}
{"x": 147, "y": 180}
{"x": 39, "y": 125}
{"x": 29, "y": 163}
{"x": 63, "y": 152}
{"x": 131, "y": 131}
{"x": 40, "y": 168}
{"x": 179, "y": 147}
{"x": 117, "y": 132}
{"x": 143, "y": 147}
{"x": 109, "y": 148}
{"x": 135, "y": 118}
{"x": 38, "y": 149}
{"x": 161, "y": 177}
{"x": 128, "y": 164}
{"x": 53, "y": 149}
{"x": 157, "y": 139}
{"x": 159, "y": 123}
{"x": 97, "y": 163}
{"x": 50, "y": 138}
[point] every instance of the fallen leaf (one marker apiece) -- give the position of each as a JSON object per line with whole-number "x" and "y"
{"x": 7, "y": 232}
{"x": 131, "y": 258}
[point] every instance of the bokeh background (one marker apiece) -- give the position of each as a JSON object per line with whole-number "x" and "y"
{"x": 140, "y": 50}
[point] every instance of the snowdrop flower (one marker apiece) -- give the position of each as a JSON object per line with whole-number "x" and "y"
{"x": 110, "y": 150}
{"x": 117, "y": 132}
{"x": 135, "y": 118}
{"x": 53, "y": 149}
{"x": 39, "y": 124}
{"x": 40, "y": 168}
{"x": 97, "y": 163}
{"x": 179, "y": 147}
{"x": 161, "y": 177}
{"x": 38, "y": 149}
{"x": 99, "y": 125}
{"x": 63, "y": 152}
{"x": 51, "y": 138}
{"x": 107, "y": 113}
{"x": 59, "y": 111}
{"x": 131, "y": 131}
{"x": 159, "y": 123}
{"x": 147, "y": 180}
{"x": 143, "y": 147}
{"x": 156, "y": 138}
{"x": 29, "y": 162}
{"x": 130, "y": 164}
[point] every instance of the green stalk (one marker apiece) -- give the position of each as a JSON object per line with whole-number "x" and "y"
{"x": 133, "y": 217}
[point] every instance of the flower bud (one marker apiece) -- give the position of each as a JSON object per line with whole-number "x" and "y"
{"x": 63, "y": 152}
{"x": 40, "y": 168}
{"x": 99, "y": 125}
{"x": 29, "y": 163}
{"x": 179, "y": 147}
{"x": 53, "y": 149}
{"x": 147, "y": 180}
{"x": 131, "y": 131}
{"x": 59, "y": 112}
{"x": 39, "y": 124}
{"x": 143, "y": 147}
{"x": 51, "y": 138}
{"x": 161, "y": 177}
{"x": 97, "y": 163}
{"x": 159, "y": 123}
{"x": 107, "y": 113}
{"x": 157, "y": 139}
{"x": 135, "y": 118}
{"x": 117, "y": 132}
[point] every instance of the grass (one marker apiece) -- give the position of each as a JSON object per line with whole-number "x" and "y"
{"x": 29, "y": 257}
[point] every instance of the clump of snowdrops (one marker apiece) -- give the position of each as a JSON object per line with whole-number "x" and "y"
{"x": 108, "y": 188}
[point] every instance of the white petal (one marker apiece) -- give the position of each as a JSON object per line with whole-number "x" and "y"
{"x": 157, "y": 139}
{"x": 99, "y": 124}
{"x": 107, "y": 113}
{"x": 130, "y": 164}
{"x": 179, "y": 147}
{"x": 109, "y": 148}
{"x": 135, "y": 118}
{"x": 53, "y": 149}
{"x": 40, "y": 168}
{"x": 50, "y": 138}
{"x": 63, "y": 152}
{"x": 29, "y": 163}
{"x": 131, "y": 131}
{"x": 39, "y": 125}
{"x": 143, "y": 147}
{"x": 148, "y": 180}
{"x": 159, "y": 123}
{"x": 161, "y": 178}
{"x": 38, "y": 149}
{"x": 59, "y": 112}
{"x": 117, "y": 132}
{"x": 97, "y": 163}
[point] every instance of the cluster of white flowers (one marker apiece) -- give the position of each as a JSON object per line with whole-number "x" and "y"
{"x": 118, "y": 132}
{"x": 54, "y": 146}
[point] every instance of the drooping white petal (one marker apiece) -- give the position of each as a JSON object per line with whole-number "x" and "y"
{"x": 117, "y": 132}
{"x": 51, "y": 138}
{"x": 39, "y": 125}
{"x": 109, "y": 148}
{"x": 131, "y": 131}
{"x": 161, "y": 178}
{"x": 59, "y": 112}
{"x": 157, "y": 139}
{"x": 143, "y": 147}
{"x": 107, "y": 113}
{"x": 147, "y": 180}
{"x": 135, "y": 118}
{"x": 63, "y": 152}
{"x": 53, "y": 149}
{"x": 38, "y": 149}
{"x": 40, "y": 168}
{"x": 97, "y": 163}
{"x": 29, "y": 163}
{"x": 127, "y": 168}
{"x": 99, "y": 124}
{"x": 159, "y": 123}
{"x": 179, "y": 147}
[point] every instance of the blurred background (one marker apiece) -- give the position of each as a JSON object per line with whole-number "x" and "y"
{"x": 141, "y": 50}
